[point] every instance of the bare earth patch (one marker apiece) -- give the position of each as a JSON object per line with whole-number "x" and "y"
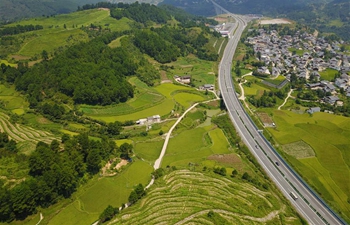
{"x": 275, "y": 21}
{"x": 299, "y": 150}
{"x": 123, "y": 162}
{"x": 186, "y": 66}
{"x": 265, "y": 119}
{"x": 228, "y": 159}
{"x": 19, "y": 57}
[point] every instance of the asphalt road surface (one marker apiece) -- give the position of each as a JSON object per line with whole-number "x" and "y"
{"x": 308, "y": 204}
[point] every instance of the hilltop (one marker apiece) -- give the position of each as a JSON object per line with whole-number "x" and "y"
{"x": 324, "y": 15}
{"x": 12, "y": 10}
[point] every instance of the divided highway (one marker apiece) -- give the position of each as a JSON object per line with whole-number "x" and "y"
{"x": 307, "y": 203}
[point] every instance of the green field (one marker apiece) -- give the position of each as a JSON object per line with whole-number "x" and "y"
{"x": 328, "y": 74}
{"x": 116, "y": 43}
{"x": 145, "y": 97}
{"x": 90, "y": 200}
{"x": 161, "y": 109}
{"x": 255, "y": 88}
{"x": 12, "y": 100}
{"x": 328, "y": 135}
{"x": 54, "y": 35}
{"x": 201, "y": 71}
{"x": 51, "y": 41}
{"x": 167, "y": 89}
{"x": 186, "y": 197}
{"x": 299, "y": 52}
{"x": 187, "y": 99}
{"x": 194, "y": 146}
{"x": 148, "y": 150}
{"x": 25, "y": 136}
{"x": 7, "y": 63}
{"x": 159, "y": 100}
{"x": 337, "y": 23}
{"x": 122, "y": 141}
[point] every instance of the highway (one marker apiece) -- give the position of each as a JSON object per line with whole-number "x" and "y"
{"x": 308, "y": 204}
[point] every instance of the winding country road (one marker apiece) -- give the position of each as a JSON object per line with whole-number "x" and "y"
{"x": 285, "y": 100}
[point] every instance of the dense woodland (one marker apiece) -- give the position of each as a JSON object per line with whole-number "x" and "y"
{"x": 19, "y": 29}
{"x": 55, "y": 172}
{"x": 90, "y": 73}
{"x": 93, "y": 73}
{"x": 314, "y": 13}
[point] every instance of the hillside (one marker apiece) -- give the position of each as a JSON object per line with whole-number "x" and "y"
{"x": 324, "y": 15}
{"x": 11, "y": 10}
{"x": 94, "y": 59}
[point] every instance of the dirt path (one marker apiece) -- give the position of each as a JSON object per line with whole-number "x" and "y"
{"x": 215, "y": 43}
{"x": 285, "y": 100}
{"x": 268, "y": 217}
{"x": 165, "y": 145}
{"x": 41, "y": 218}
{"x": 242, "y": 97}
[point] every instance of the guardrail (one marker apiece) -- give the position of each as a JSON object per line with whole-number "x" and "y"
{"x": 290, "y": 168}
{"x": 287, "y": 165}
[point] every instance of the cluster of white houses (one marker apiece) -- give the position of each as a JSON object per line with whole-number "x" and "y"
{"x": 149, "y": 120}
{"x": 279, "y": 54}
{"x": 187, "y": 80}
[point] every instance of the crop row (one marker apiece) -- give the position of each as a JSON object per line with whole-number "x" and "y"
{"x": 189, "y": 196}
{"x": 21, "y": 133}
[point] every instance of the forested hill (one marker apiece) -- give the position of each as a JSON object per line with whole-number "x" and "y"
{"x": 325, "y": 15}
{"x": 271, "y": 7}
{"x": 11, "y": 10}
{"x": 93, "y": 73}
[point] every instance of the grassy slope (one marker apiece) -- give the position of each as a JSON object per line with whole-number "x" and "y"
{"x": 90, "y": 200}
{"x": 54, "y": 35}
{"x": 186, "y": 197}
{"x": 145, "y": 104}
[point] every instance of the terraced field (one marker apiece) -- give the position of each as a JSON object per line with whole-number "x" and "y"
{"x": 186, "y": 197}
{"x": 24, "y": 135}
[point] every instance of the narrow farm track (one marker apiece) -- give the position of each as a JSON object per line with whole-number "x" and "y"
{"x": 22, "y": 133}
{"x": 188, "y": 196}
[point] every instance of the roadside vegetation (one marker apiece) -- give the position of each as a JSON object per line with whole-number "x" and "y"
{"x": 314, "y": 144}
{"x": 89, "y": 145}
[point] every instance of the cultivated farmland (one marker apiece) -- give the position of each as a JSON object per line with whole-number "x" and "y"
{"x": 326, "y": 135}
{"x": 25, "y": 136}
{"x": 63, "y": 31}
{"x": 97, "y": 194}
{"x": 186, "y": 197}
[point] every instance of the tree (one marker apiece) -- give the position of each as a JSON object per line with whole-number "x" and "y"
{"x": 140, "y": 191}
{"x": 44, "y": 55}
{"x": 234, "y": 173}
{"x": 125, "y": 150}
{"x": 55, "y": 146}
{"x": 65, "y": 137}
{"x": 133, "y": 197}
{"x": 93, "y": 160}
{"x": 6, "y": 214}
{"x": 158, "y": 173}
{"x": 108, "y": 214}
{"x": 114, "y": 128}
{"x": 23, "y": 202}
{"x": 258, "y": 54}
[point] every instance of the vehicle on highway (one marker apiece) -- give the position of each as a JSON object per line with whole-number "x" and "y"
{"x": 294, "y": 196}
{"x": 277, "y": 164}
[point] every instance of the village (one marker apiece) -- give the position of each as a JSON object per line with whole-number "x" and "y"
{"x": 304, "y": 55}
